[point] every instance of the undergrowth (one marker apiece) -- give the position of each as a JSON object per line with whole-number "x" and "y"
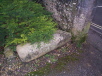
{"x": 25, "y": 21}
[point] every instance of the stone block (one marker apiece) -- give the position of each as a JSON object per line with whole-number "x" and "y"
{"x": 29, "y": 51}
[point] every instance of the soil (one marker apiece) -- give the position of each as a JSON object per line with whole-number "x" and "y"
{"x": 14, "y": 66}
{"x": 1, "y": 49}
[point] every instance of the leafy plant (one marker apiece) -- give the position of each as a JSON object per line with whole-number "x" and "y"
{"x": 81, "y": 37}
{"x": 26, "y": 21}
{"x": 3, "y": 33}
{"x": 51, "y": 57}
{"x": 37, "y": 1}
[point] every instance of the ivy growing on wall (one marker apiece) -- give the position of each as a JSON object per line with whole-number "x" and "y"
{"x": 26, "y": 21}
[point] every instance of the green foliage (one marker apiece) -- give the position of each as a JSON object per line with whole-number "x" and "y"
{"x": 81, "y": 37}
{"x": 26, "y": 21}
{"x": 59, "y": 65}
{"x": 36, "y": 0}
{"x": 51, "y": 57}
{"x": 3, "y": 31}
{"x": 3, "y": 34}
{"x": 81, "y": 41}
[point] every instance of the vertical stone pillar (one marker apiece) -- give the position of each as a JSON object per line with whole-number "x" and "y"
{"x": 83, "y": 16}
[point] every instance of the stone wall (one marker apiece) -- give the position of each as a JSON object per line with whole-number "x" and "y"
{"x": 71, "y": 15}
{"x": 63, "y": 12}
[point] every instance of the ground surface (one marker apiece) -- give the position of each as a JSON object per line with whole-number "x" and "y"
{"x": 89, "y": 61}
{"x": 65, "y": 61}
{"x": 90, "y": 64}
{"x": 14, "y": 67}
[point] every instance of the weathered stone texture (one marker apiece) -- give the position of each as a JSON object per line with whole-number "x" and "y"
{"x": 83, "y": 15}
{"x": 71, "y": 15}
{"x": 63, "y": 12}
{"x": 29, "y": 51}
{"x": 8, "y": 53}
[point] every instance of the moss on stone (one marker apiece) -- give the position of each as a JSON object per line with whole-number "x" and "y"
{"x": 59, "y": 65}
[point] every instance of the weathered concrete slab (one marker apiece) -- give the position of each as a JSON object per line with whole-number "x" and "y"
{"x": 29, "y": 52}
